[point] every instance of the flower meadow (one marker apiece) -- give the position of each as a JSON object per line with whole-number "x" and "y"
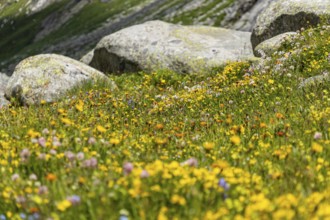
{"x": 245, "y": 141}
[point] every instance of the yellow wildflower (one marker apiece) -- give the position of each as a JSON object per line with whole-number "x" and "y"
{"x": 176, "y": 199}
{"x": 66, "y": 121}
{"x": 63, "y": 205}
{"x": 100, "y": 129}
{"x": 317, "y": 147}
{"x": 33, "y": 134}
{"x": 161, "y": 141}
{"x": 208, "y": 145}
{"x": 235, "y": 140}
{"x": 80, "y": 106}
{"x": 114, "y": 141}
{"x": 162, "y": 214}
{"x": 37, "y": 200}
{"x": 271, "y": 81}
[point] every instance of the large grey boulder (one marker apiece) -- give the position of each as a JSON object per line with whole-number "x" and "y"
{"x": 289, "y": 16}
{"x": 3, "y": 83}
{"x": 159, "y": 45}
{"x": 48, "y": 77}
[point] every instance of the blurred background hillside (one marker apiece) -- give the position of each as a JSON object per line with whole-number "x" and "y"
{"x": 73, "y": 27}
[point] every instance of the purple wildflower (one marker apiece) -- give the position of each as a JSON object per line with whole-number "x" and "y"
{"x": 80, "y": 156}
{"x": 42, "y": 190}
{"x": 34, "y": 216}
{"x": 317, "y": 135}
{"x": 56, "y": 142}
{"x": 71, "y": 156}
{"x": 22, "y": 215}
{"x": 45, "y": 131}
{"x": 74, "y": 199}
{"x": 20, "y": 199}
{"x": 127, "y": 168}
{"x": 192, "y": 162}
{"x": 25, "y": 154}
{"x": 223, "y": 184}
{"x": 91, "y": 140}
{"x": 90, "y": 163}
{"x": 15, "y": 177}
{"x": 144, "y": 174}
{"x": 42, "y": 142}
{"x": 53, "y": 152}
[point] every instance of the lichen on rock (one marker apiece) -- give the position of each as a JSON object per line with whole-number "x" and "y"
{"x": 289, "y": 16}
{"x": 48, "y": 77}
{"x": 159, "y": 45}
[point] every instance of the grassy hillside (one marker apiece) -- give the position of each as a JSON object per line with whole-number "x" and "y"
{"x": 240, "y": 143}
{"x": 20, "y": 31}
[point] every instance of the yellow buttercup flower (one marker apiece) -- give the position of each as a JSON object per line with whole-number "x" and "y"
{"x": 317, "y": 147}
{"x": 80, "y": 106}
{"x": 208, "y": 145}
{"x": 114, "y": 141}
{"x": 66, "y": 121}
{"x": 100, "y": 129}
{"x": 63, "y": 205}
{"x": 235, "y": 140}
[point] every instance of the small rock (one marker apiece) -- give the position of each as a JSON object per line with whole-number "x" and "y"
{"x": 47, "y": 77}
{"x": 315, "y": 81}
{"x": 268, "y": 47}
{"x": 3, "y": 83}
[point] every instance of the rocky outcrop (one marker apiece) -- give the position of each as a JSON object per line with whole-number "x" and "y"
{"x": 3, "y": 83}
{"x": 38, "y": 5}
{"x": 268, "y": 47}
{"x": 48, "y": 77}
{"x": 57, "y": 19}
{"x": 159, "y": 45}
{"x": 315, "y": 81}
{"x": 242, "y": 14}
{"x": 69, "y": 27}
{"x": 289, "y": 16}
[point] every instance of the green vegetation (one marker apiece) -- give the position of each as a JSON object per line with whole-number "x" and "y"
{"x": 91, "y": 17}
{"x": 208, "y": 10}
{"x": 12, "y": 9}
{"x": 242, "y": 143}
{"x": 21, "y": 30}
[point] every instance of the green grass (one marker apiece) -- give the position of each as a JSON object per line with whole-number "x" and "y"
{"x": 22, "y": 32}
{"x": 241, "y": 143}
{"x": 202, "y": 13}
{"x": 91, "y": 17}
{"x": 12, "y": 9}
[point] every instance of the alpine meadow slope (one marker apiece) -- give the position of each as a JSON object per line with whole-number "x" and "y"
{"x": 245, "y": 142}
{"x": 249, "y": 139}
